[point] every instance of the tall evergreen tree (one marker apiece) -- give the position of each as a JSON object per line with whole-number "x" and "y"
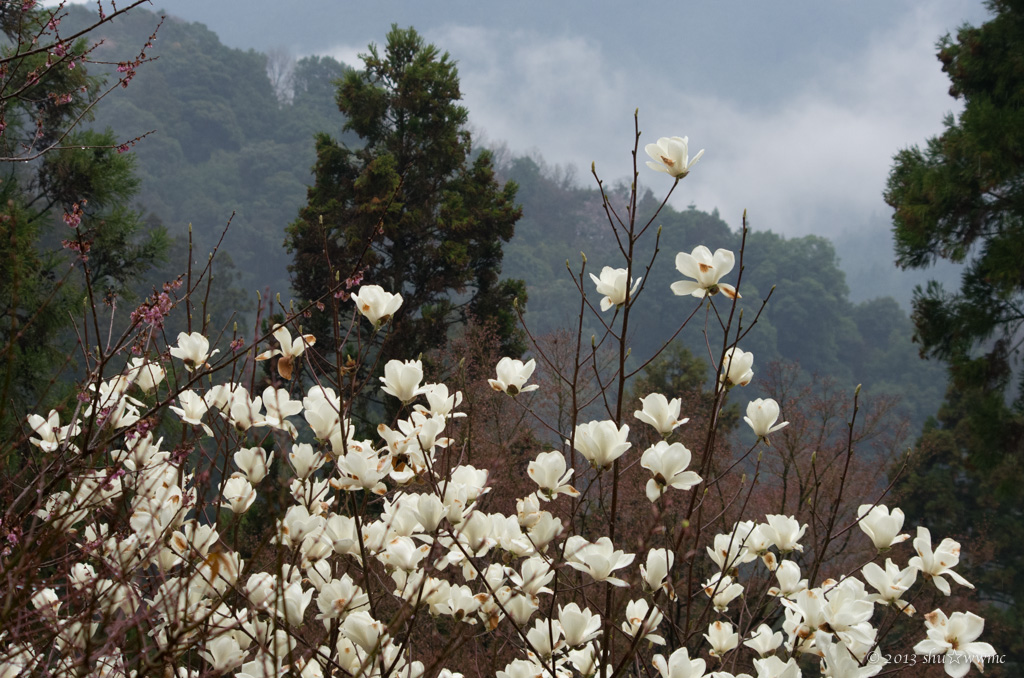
{"x": 410, "y": 208}
{"x": 67, "y": 229}
{"x": 962, "y": 198}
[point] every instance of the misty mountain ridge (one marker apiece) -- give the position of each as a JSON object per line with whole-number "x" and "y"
{"x": 231, "y": 139}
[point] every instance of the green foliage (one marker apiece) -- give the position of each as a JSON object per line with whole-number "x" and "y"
{"x": 34, "y": 307}
{"x": 408, "y": 208}
{"x": 66, "y": 216}
{"x": 965, "y": 476}
{"x": 961, "y": 198}
{"x": 223, "y": 143}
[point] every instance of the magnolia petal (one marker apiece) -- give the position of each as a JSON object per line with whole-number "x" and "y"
{"x": 285, "y": 367}
{"x": 723, "y": 261}
{"x": 729, "y": 291}
{"x": 683, "y": 288}
{"x": 687, "y": 264}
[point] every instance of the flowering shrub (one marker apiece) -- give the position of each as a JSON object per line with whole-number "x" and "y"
{"x": 190, "y": 517}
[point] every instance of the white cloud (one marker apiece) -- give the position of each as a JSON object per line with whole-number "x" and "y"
{"x": 813, "y": 160}
{"x": 348, "y": 54}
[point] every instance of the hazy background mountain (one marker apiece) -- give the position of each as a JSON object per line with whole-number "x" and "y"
{"x": 234, "y": 134}
{"x": 800, "y": 105}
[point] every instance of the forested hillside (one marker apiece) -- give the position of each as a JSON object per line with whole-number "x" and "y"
{"x": 810, "y": 319}
{"x": 224, "y": 141}
{"x": 228, "y": 140}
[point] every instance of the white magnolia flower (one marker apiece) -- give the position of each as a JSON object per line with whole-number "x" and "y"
{"x": 533, "y": 577}
{"x": 362, "y": 469}
{"x": 402, "y": 379}
{"x": 51, "y": 433}
{"x": 707, "y": 270}
{"x": 598, "y": 559}
{"x": 512, "y": 374}
{"x": 784, "y": 531}
{"x": 545, "y": 638}
{"x": 655, "y": 572}
{"x": 548, "y": 471}
{"x": 520, "y": 608}
{"x": 612, "y": 284}
{"x": 730, "y": 550}
{"x": 238, "y": 495}
{"x": 838, "y": 660}
{"x": 243, "y": 412}
{"x": 280, "y": 406}
{"x": 955, "y": 637}
{"x": 601, "y": 442}
{"x": 324, "y": 418}
{"x": 440, "y": 403}
{"x": 289, "y": 349}
{"x": 297, "y": 524}
{"x": 587, "y": 660}
{"x": 643, "y": 620}
{"x": 847, "y": 611}
{"x": 934, "y": 564}
{"x": 762, "y": 415}
{"x": 261, "y": 589}
{"x": 253, "y": 463}
{"x": 773, "y": 667}
{"x": 377, "y": 305}
{"x": 764, "y": 641}
{"x": 463, "y": 604}
{"x": 365, "y": 631}
{"x": 790, "y": 583}
{"x": 304, "y": 460}
{"x": 428, "y": 509}
{"x": 882, "y": 525}
{"x": 193, "y": 349}
{"x": 578, "y": 626}
{"x": 223, "y": 653}
{"x": 891, "y": 583}
{"x": 679, "y": 665}
{"x": 722, "y": 590}
{"x": 145, "y": 375}
{"x": 736, "y": 367}
{"x": 192, "y": 409}
{"x": 403, "y": 553}
{"x": 521, "y": 668}
{"x": 667, "y": 463}
{"x": 671, "y": 155}
{"x": 722, "y": 638}
{"x": 661, "y": 413}
{"x": 339, "y": 597}
{"x": 293, "y": 602}
{"x": 545, "y": 530}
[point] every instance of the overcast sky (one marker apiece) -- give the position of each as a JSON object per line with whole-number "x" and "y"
{"x": 800, "y": 105}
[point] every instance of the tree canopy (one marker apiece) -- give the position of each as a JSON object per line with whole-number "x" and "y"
{"x": 409, "y": 207}
{"x": 961, "y": 198}
{"x": 65, "y": 205}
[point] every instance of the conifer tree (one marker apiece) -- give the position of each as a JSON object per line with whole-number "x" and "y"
{"x": 961, "y": 198}
{"x": 411, "y": 208}
{"x": 67, "y": 229}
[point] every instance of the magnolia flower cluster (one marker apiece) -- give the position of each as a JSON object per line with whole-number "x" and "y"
{"x": 437, "y": 542}
{"x": 833, "y": 621}
{"x": 541, "y": 578}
